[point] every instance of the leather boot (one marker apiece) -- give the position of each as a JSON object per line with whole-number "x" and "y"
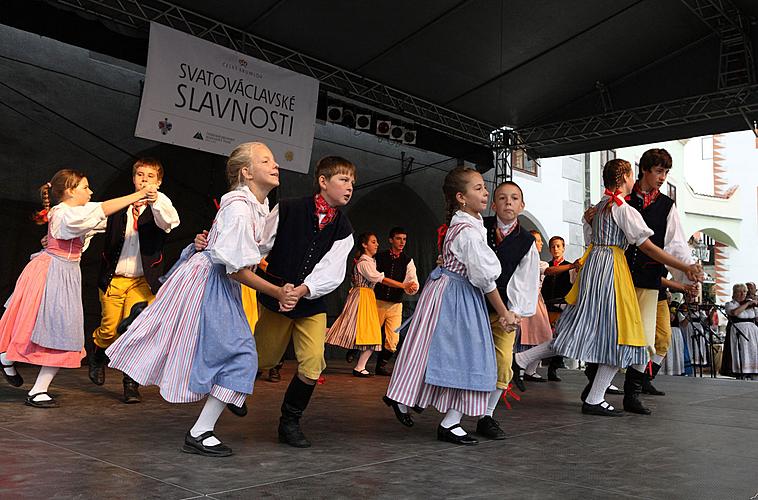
{"x": 647, "y": 386}
{"x": 632, "y": 391}
{"x": 131, "y": 390}
{"x": 295, "y": 402}
{"x": 382, "y": 358}
{"x": 552, "y": 368}
{"x": 97, "y": 363}
{"x": 590, "y": 370}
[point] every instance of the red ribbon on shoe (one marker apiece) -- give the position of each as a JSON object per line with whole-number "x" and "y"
{"x": 509, "y": 390}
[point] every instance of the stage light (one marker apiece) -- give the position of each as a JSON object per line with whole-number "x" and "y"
{"x": 348, "y": 118}
{"x": 334, "y": 114}
{"x": 383, "y": 127}
{"x": 397, "y": 132}
{"x": 409, "y": 137}
{"x": 362, "y": 122}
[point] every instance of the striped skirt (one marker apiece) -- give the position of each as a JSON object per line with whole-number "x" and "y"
{"x": 588, "y": 330}
{"x": 358, "y": 325}
{"x": 161, "y": 344}
{"x": 673, "y": 363}
{"x": 407, "y": 385}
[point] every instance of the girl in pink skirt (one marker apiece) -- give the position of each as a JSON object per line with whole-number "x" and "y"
{"x": 43, "y": 323}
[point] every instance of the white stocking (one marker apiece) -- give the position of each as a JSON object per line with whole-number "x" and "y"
{"x": 207, "y": 420}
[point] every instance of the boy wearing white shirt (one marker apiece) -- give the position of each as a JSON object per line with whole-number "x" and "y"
{"x": 132, "y": 261}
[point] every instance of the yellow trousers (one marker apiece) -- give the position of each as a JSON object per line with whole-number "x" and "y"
{"x": 272, "y": 335}
{"x": 662, "y": 328}
{"x": 504, "y": 342}
{"x": 390, "y": 317}
{"x": 115, "y": 303}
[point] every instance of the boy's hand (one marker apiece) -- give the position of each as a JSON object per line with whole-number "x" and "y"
{"x": 151, "y": 194}
{"x": 589, "y": 214}
{"x": 201, "y": 241}
{"x": 43, "y": 241}
{"x": 411, "y": 287}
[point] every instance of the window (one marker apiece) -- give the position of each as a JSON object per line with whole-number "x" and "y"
{"x": 523, "y": 163}
{"x": 706, "y": 148}
{"x": 672, "y": 192}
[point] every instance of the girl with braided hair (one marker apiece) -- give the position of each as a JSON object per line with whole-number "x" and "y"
{"x": 602, "y": 322}
{"x": 43, "y": 323}
{"x": 448, "y": 358}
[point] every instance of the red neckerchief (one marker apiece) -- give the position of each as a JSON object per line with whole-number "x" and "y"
{"x": 614, "y": 196}
{"x": 647, "y": 198}
{"x": 135, "y": 213}
{"x": 500, "y": 235}
{"x": 323, "y": 208}
{"x": 395, "y": 255}
{"x": 557, "y": 262}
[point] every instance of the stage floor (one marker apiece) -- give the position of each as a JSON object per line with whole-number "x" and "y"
{"x": 700, "y": 442}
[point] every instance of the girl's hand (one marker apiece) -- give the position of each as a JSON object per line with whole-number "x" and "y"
{"x": 152, "y": 193}
{"x": 694, "y": 272}
{"x": 287, "y": 297}
{"x": 201, "y": 241}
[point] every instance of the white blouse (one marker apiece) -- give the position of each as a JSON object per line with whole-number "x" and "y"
{"x": 67, "y": 222}
{"x": 628, "y": 219}
{"x": 749, "y": 313}
{"x": 367, "y": 267}
{"x": 239, "y": 228}
{"x": 524, "y": 285}
{"x": 471, "y": 249}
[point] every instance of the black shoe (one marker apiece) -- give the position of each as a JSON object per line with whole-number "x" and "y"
{"x": 131, "y": 391}
{"x": 517, "y": 375}
{"x": 602, "y": 409}
{"x": 291, "y": 434}
{"x": 552, "y": 374}
{"x": 532, "y": 378}
{"x": 383, "y": 370}
{"x": 647, "y": 379}
{"x": 632, "y": 390}
{"x": 195, "y": 445}
{"x": 362, "y": 374}
{"x": 136, "y": 310}
{"x": 585, "y": 392}
{"x": 403, "y": 418}
{"x": 97, "y": 363}
{"x": 15, "y": 380}
{"x": 274, "y": 375}
{"x": 350, "y": 355}
{"x": 295, "y": 402}
{"x": 447, "y": 435}
{"x": 48, "y": 403}
{"x": 240, "y": 411}
{"x": 489, "y": 428}
{"x": 614, "y": 390}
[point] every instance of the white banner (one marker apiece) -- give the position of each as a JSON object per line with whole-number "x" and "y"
{"x": 203, "y": 96}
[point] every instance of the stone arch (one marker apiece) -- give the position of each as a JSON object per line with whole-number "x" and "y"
{"x": 528, "y": 221}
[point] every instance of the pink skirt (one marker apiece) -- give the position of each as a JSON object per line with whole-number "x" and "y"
{"x": 536, "y": 329}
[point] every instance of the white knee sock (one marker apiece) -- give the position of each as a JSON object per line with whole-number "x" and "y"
{"x": 207, "y": 420}
{"x": 531, "y": 369}
{"x": 363, "y": 359}
{"x": 603, "y": 379}
{"x": 657, "y": 359}
{"x": 453, "y": 417}
{"x": 536, "y": 353}
{"x": 492, "y": 401}
{"x": 45, "y": 377}
{"x": 640, "y": 368}
{"x": 9, "y": 370}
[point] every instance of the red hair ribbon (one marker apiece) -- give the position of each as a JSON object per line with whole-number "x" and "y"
{"x": 441, "y": 232}
{"x": 215, "y": 203}
{"x": 506, "y": 392}
{"x": 41, "y": 217}
{"x": 614, "y": 196}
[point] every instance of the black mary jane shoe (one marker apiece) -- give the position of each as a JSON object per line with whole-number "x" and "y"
{"x": 602, "y": 409}
{"x": 240, "y": 411}
{"x": 362, "y": 374}
{"x": 403, "y": 418}
{"x": 489, "y": 428}
{"x": 448, "y": 436}
{"x": 532, "y": 378}
{"x": 15, "y": 380}
{"x": 49, "y": 403}
{"x": 195, "y": 445}
{"x": 612, "y": 389}
{"x": 518, "y": 379}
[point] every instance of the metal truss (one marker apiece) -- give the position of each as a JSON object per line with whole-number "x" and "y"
{"x": 736, "y": 63}
{"x": 741, "y": 101}
{"x": 136, "y": 14}
{"x": 503, "y": 144}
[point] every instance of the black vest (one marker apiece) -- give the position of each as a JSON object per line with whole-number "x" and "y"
{"x": 394, "y": 269}
{"x": 509, "y": 252}
{"x": 151, "y": 241}
{"x": 556, "y": 287}
{"x": 298, "y": 247}
{"x": 646, "y": 272}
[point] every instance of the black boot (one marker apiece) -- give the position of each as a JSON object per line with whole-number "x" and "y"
{"x": 590, "y": 370}
{"x": 382, "y": 357}
{"x": 647, "y": 386}
{"x": 552, "y": 368}
{"x": 295, "y": 401}
{"x": 131, "y": 390}
{"x": 632, "y": 391}
{"x": 136, "y": 310}
{"x": 97, "y": 363}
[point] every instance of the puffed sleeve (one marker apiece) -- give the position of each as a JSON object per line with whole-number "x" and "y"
{"x": 523, "y": 287}
{"x": 482, "y": 265}
{"x": 269, "y": 231}
{"x": 68, "y": 223}
{"x": 411, "y": 276}
{"x": 328, "y": 274}
{"x": 631, "y": 223}
{"x": 235, "y": 246}
{"x": 165, "y": 215}
{"x": 367, "y": 267}
{"x": 730, "y": 306}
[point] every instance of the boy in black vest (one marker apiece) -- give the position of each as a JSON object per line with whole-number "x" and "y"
{"x": 557, "y": 283}
{"x": 518, "y": 285}
{"x": 132, "y": 261}
{"x": 396, "y": 265}
{"x": 312, "y": 241}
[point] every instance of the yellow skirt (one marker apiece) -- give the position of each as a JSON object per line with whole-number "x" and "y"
{"x": 628, "y": 317}
{"x": 250, "y": 305}
{"x": 367, "y": 328}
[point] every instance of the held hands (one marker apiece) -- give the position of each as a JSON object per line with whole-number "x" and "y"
{"x": 201, "y": 241}
{"x": 149, "y": 193}
{"x": 509, "y": 321}
{"x": 589, "y": 214}
{"x": 289, "y": 295}
{"x": 690, "y": 289}
{"x": 694, "y": 272}
{"x": 43, "y": 241}
{"x": 410, "y": 287}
